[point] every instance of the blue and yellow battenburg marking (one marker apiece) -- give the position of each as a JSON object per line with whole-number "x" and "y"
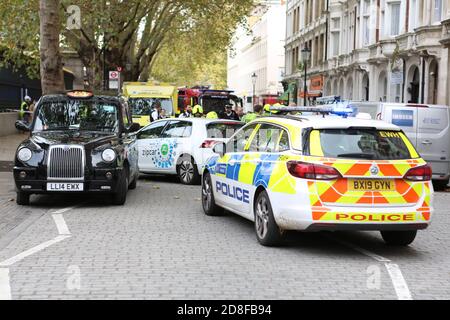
{"x": 266, "y": 170}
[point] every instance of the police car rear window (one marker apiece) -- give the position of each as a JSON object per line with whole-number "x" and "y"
{"x": 222, "y": 130}
{"x": 368, "y": 144}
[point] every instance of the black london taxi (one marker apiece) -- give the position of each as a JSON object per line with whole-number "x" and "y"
{"x": 78, "y": 143}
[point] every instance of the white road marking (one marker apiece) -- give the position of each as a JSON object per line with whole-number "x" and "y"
{"x": 61, "y": 224}
{"x": 61, "y": 211}
{"x": 361, "y": 250}
{"x": 400, "y": 285}
{"x": 397, "y": 279}
{"x": 64, "y": 233}
{"x": 9, "y": 262}
{"x": 5, "y": 287}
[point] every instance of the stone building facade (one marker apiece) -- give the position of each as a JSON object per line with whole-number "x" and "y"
{"x": 378, "y": 50}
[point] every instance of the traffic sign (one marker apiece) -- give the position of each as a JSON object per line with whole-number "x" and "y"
{"x": 114, "y": 78}
{"x": 113, "y": 75}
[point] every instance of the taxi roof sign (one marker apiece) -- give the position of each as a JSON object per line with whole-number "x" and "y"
{"x": 80, "y": 94}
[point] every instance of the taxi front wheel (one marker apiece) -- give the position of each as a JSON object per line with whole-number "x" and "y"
{"x": 267, "y": 230}
{"x": 23, "y": 199}
{"x": 120, "y": 197}
{"x": 399, "y": 238}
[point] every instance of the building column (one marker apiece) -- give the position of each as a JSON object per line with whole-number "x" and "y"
{"x": 428, "y": 12}
{"x": 443, "y": 79}
{"x": 448, "y": 77}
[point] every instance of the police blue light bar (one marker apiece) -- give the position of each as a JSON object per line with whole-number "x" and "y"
{"x": 339, "y": 109}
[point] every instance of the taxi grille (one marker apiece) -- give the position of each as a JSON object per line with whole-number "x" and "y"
{"x": 66, "y": 162}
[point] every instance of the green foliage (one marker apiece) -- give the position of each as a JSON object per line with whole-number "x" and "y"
{"x": 130, "y": 33}
{"x": 19, "y": 40}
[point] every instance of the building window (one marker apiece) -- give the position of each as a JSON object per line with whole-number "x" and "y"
{"x": 437, "y": 14}
{"x": 394, "y": 10}
{"x": 413, "y": 15}
{"x": 366, "y": 23}
{"x": 335, "y": 36}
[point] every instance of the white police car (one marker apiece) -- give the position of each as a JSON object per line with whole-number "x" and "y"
{"x": 313, "y": 173}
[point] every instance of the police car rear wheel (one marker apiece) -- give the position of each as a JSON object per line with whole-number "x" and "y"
{"x": 440, "y": 185}
{"x": 187, "y": 171}
{"x": 267, "y": 231}
{"x": 399, "y": 238}
{"x": 209, "y": 204}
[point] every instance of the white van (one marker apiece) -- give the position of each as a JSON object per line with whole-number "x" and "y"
{"x": 426, "y": 125}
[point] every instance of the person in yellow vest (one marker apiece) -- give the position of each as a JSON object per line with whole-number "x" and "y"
{"x": 277, "y": 105}
{"x": 212, "y": 115}
{"x": 257, "y": 112}
{"x": 197, "y": 111}
{"x": 25, "y": 109}
{"x": 267, "y": 110}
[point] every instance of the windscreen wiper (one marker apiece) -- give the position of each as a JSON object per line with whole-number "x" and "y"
{"x": 369, "y": 156}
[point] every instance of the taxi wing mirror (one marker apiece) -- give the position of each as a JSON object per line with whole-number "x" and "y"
{"x": 22, "y": 126}
{"x": 220, "y": 149}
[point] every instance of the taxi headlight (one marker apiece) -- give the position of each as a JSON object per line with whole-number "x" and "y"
{"x": 24, "y": 154}
{"x": 108, "y": 155}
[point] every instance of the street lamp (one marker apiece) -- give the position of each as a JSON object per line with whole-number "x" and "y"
{"x": 306, "y": 56}
{"x": 254, "y": 79}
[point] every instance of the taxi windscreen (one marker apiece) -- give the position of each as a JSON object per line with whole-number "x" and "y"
{"x": 362, "y": 143}
{"x": 83, "y": 115}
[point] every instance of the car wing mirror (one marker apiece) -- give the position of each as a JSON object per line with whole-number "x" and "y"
{"x": 220, "y": 149}
{"x": 22, "y": 126}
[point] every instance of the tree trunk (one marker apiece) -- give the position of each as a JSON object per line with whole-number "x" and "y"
{"x": 52, "y": 77}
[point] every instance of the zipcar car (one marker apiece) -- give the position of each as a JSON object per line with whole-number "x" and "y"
{"x": 320, "y": 173}
{"x": 78, "y": 143}
{"x": 181, "y": 146}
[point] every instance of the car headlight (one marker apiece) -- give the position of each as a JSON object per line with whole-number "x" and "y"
{"x": 108, "y": 155}
{"x": 24, "y": 154}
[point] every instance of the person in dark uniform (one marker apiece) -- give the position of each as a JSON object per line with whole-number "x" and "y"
{"x": 229, "y": 113}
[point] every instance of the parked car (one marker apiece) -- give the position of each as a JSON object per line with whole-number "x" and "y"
{"x": 78, "y": 143}
{"x": 426, "y": 125}
{"x": 181, "y": 146}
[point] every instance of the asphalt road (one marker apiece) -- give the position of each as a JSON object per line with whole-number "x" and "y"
{"x": 160, "y": 245}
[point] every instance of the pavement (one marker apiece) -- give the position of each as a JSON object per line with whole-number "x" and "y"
{"x": 160, "y": 245}
{"x": 8, "y": 146}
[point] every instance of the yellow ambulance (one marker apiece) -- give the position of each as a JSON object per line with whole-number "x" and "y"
{"x": 143, "y": 96}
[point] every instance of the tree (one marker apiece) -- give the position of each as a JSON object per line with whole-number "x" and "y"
{"x": 129, "y": 33}
{"x": 184, "y": 68}
{"x": 19, "y": 35}
{"x": 52, "y": 78}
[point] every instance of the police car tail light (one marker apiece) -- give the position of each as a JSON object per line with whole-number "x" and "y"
{"x": 423, "y": 173}
{"x": 208, "y": 144}
{"x": 312, "y": 171}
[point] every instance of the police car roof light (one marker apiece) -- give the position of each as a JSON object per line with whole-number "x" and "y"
{"x": 339, "y": 109}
